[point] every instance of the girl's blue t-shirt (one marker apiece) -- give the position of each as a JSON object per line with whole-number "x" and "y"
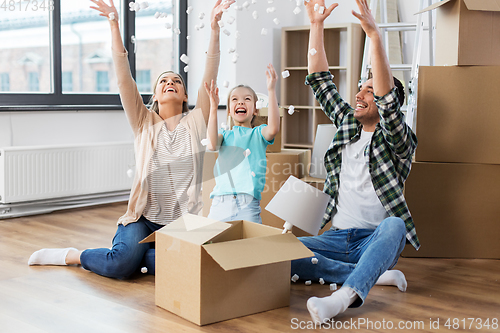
{"x": 235, "y": 170}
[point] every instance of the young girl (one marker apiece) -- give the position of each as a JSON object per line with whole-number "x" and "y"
{"x": 240, "y": 169}
{"x": 169, "y": 159}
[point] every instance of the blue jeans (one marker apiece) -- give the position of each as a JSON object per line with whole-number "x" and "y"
{"x": 235, "y": 207}
{"x": 354, "y": 258}
{"x": 126, "y": 256}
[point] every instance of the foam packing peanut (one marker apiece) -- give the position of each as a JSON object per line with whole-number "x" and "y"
{"x": 321, "y": 281}
{"x": 285, "y": 74}
{"x": 184, "y": 58}
{"x": 308, "y": 282}
{"x": 333, "y": 286}
{"x": 314, "y": 261}
{"x": 295, "y": 278}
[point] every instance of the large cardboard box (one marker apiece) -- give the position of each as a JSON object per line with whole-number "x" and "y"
{"x": 278, "y": 144}
{"x": 467, "y": 32}
{"x": 288, "y": 162}
{"x": 456, "y": 119}
{"x": 455, "y": 209}
{"x": 208, "y": 271}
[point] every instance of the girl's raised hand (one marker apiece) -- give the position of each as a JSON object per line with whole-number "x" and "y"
{"x": 104, "y": 9}
{"x": 217, "y": 12}
{"x": 272, "y": 77}
{"x": 213, "y": 93}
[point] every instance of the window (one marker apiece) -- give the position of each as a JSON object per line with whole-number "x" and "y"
{"x": 4, "y": 82}
{"x": 102, "y": 81}
{"x": 144, "y": 81}
{"x": 60, "y": 56}
{"x": 67, "y": 81}
{"x": 33, "y": 83}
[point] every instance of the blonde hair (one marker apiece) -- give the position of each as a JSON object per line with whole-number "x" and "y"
{"x": 256, "y": 120}
{"x": 153, "y": 105}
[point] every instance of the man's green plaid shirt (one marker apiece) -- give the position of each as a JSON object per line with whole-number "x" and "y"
{"x": 389, "y": 153}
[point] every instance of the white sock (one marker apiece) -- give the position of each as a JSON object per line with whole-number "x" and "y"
{"x": 50, "y": 256}
{"x": 322, "y": 309}
{"x": 393, "y": 278}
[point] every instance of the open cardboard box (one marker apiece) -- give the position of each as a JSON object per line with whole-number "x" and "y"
{"x": 467, "y": 32}
{"x": 208, "y": 271}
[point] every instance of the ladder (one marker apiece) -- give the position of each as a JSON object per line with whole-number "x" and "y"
{"x": 411, "y": 81}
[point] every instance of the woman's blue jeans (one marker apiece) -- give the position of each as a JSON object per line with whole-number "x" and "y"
{"x": 126, "y": 256}
{"x": 354, "y": 258}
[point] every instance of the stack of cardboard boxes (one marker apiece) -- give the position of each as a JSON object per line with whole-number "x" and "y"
{"x": 453, "y": 189}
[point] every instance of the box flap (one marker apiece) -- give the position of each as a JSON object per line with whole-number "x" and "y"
{"x": 257, "y": 251}
{"x": 433, "y": 6}
{"x": 484, "y": 5}
{"x": 191, "y": 228}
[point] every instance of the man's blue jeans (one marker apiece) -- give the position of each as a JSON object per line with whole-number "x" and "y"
{"x": 126, "y": 256}
{"x": 354, "y": 258}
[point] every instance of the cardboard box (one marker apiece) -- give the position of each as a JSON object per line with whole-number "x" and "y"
{"x": 280, "y": 166}
{"x": 455, "y": 209}
{"x": 467, "y": 32}
{"x": 456, "y": 119}
{"x": 278, "y": 144}
{"x": 208, "y": 271}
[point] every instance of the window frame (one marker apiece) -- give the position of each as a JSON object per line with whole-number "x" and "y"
{"x": 57, "y": 100}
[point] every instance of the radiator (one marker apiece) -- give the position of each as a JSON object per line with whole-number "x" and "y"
{"x": 30, "y": 174}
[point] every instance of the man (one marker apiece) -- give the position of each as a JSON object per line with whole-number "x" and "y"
{"x": 367, "y": 164}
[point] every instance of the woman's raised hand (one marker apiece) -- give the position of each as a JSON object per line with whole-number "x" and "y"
{"x": 104, "y": 9}
{"x": 217, "y": 11}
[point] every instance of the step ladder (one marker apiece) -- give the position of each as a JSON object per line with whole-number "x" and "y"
{"x": 411, "y": 81}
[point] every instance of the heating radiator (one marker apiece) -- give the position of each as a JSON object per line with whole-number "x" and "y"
{"x": 63, "y": 176}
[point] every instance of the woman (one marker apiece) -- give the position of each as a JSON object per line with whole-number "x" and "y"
{"x": 169, "y": 159}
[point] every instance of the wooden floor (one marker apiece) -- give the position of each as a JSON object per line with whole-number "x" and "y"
{"x": 70, "y": 299}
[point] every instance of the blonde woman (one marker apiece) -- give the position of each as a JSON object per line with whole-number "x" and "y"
{"x": 169, "y": 159}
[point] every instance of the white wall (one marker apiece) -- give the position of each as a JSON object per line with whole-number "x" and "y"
{"x": 255, "y": 52}
{"x": 63, "y": 127}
